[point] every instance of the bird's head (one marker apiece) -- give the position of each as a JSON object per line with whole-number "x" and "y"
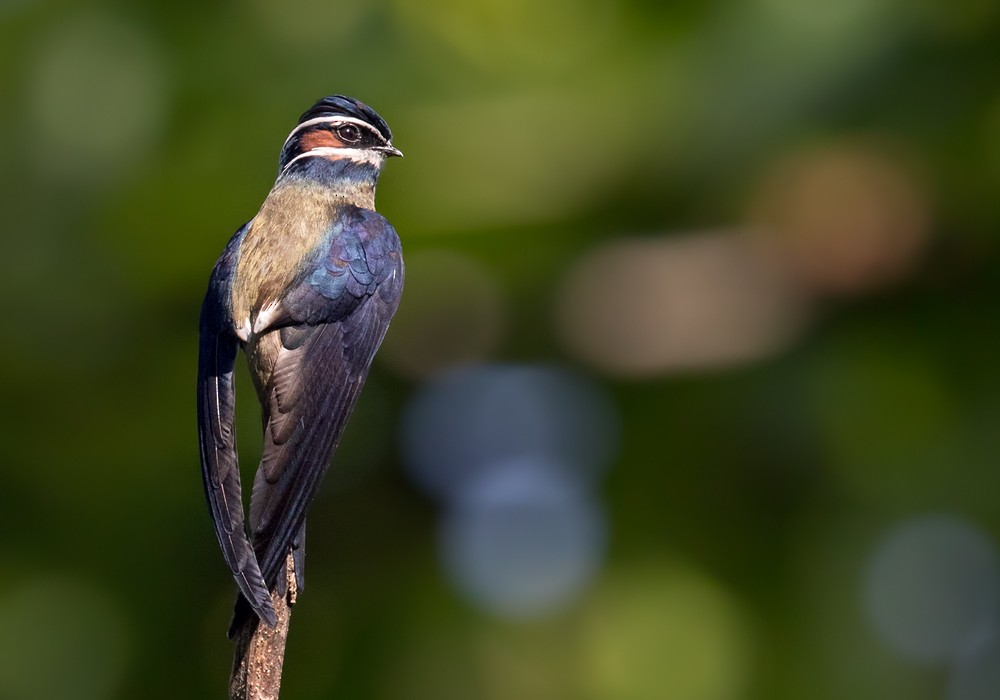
{"x": 339, "y": 128}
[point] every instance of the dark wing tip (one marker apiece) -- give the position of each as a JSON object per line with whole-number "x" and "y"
{"x": 255, "y": 591}
{"x": 268, "y": 615}
{"x": 247, "y": 613}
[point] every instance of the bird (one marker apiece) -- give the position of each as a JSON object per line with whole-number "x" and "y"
{"x": 306, "y": 289}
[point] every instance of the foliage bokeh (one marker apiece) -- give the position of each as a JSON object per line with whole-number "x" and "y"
{"x": 765, "y": 231}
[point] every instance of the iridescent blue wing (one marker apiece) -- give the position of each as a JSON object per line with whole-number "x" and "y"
{"x": 330, "y": 325}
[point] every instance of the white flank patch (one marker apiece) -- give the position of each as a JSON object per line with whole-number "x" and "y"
{"x": 243, "y": 331}
{"x": 265, "y": 317}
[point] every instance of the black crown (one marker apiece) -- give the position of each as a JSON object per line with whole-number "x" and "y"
{"x": 342, "y": 105}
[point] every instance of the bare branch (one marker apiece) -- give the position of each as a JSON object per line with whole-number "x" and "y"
{"x": 260, "y": 650}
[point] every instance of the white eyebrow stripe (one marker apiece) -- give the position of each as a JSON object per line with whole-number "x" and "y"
{"x": 332, "y": 120}
{"x": 357, "y": 155}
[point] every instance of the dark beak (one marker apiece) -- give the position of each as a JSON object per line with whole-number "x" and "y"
{"x": 389, "y": 151}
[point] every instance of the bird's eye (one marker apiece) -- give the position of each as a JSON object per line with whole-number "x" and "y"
{"x": 349, "y": 133}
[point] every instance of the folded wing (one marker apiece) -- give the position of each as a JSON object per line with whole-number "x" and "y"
{"x": 218, "y": 347}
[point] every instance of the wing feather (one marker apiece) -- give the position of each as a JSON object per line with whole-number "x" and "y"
{"x": 314, "y": 388}
{"x": 218, "y": 348}
{"x": 310, "y": 359}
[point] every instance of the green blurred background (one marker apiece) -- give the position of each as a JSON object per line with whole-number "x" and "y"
{"x": 763, "y": 232}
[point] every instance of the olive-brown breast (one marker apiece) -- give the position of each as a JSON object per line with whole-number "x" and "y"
{"x": 291, "y": 223}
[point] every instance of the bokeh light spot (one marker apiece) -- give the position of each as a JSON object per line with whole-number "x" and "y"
{"x": 664, "y": 632}
{"x": 645, "y": 306}
{"x": 514, "y": 453}
{"x": 63, "y": 640}
{"x": 98, "y": 96}
{"x": 523, "y": 541}
{"x": 843, "y": 219}
{"x": 976, "y": 675}
{"x": 452, "y": 313}
{"x": 462, "y": 425}
{"x": 931, "y": 588}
